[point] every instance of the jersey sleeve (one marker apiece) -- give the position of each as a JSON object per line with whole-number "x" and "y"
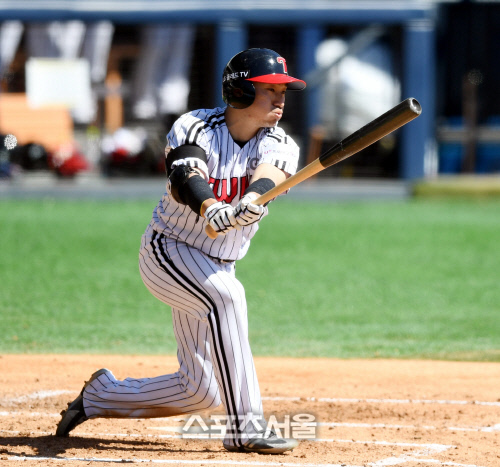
{"x": 280, "y": 151}
{"x": 177, "y": 134}
{"x": 184, "y": 131}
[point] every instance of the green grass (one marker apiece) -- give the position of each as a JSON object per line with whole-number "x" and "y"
{"x": 383, "y": 279}
{"x": 365, "y": 279}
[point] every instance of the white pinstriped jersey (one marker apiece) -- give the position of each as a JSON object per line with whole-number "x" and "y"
{"x": 230, "y": 167}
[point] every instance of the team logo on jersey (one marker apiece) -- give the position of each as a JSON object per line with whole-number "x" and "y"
{"x": 227, "y": 190}
{"x": 235, "y": 75}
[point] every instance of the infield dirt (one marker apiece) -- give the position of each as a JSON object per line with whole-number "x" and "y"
{"x": 369, "y": 413}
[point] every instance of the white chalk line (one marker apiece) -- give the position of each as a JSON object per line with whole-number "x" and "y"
{"x": 420, "y": 449}
{"x": 38, "y": 395}
{"x": 424, "y": 449}
{"x": 89, "y": 435}
{"x": 21, "y": 413}
{"x": 405, "y": 459}
{"x": 49, "y": 393}
{"x": 385, "y": 462}
{"x": 13, "y": 414}
{"x": 437, "y": 447}
{"x": 485, "y": 429}
{"x": 178, "y": 428}
{"x": 381, "y": 401}
{"x": 427, "y": 446}
{"x": 177, "y": 461}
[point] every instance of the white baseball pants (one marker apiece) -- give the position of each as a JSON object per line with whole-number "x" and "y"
{"x": 209, "y": 315}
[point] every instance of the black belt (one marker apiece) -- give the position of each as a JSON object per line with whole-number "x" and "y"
{"x": 220, "y": 260}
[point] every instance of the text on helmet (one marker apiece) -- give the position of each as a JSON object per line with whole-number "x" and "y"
{"x": 235, "y": 75}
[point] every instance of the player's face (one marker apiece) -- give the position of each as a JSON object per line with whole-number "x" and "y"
{"x": 267, "y": 108}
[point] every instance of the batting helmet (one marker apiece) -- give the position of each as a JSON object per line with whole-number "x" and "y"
{"x": 254, "y": 65}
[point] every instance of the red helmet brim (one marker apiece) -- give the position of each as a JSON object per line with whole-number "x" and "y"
{"x": 292, "y": 83}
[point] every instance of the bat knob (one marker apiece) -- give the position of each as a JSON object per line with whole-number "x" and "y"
{"x": 211, "y": 232}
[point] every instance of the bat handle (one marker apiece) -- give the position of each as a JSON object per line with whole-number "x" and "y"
{"x": 262, "y": 199}
{"x": 210, "y": 232}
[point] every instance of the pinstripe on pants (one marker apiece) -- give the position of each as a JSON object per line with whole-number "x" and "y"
{"x": 210, "y": 322}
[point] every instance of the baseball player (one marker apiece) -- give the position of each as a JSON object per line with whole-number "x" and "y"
{"x": 217, "y": 161}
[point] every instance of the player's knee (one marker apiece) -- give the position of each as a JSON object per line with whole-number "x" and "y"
{"x": 213, "y": 400}
{"x": 207, "y": 396}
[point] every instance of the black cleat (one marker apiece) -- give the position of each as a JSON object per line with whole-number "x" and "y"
{"x": 74, "y": 415}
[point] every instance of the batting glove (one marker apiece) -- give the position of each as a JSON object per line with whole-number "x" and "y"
{"x": 246, "y": 212}
{"x": 221, "y": 218}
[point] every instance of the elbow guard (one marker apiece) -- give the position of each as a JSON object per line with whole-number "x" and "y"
{"x": 188, "y": 155}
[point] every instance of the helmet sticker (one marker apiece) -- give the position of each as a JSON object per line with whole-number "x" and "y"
{"x": 283, "y": 62}
{"x": 235, "y": 75}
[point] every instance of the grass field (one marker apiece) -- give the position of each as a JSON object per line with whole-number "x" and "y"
{"x": 398, "y": 279}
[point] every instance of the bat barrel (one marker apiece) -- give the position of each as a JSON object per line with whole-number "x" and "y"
{"x": 394, "y": 118}
{"x": 373, "y": 131}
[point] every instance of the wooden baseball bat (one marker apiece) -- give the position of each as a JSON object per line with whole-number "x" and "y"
{"x": 388, "y": 122}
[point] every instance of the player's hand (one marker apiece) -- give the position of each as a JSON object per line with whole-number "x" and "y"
{"x": 246, "y": 212}
{"x": 221, "y": 217}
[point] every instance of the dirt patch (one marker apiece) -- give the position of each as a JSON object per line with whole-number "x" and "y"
{"x": 373, "y": 412}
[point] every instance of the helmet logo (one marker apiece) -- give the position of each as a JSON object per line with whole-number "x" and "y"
{"x": 235, "y": 75}
{"x": 283, "y": 62}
